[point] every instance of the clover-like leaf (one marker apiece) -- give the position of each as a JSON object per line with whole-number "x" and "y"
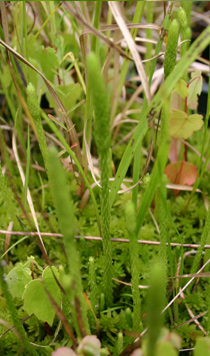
{"x": 182, "y": 125}
{"x": 36, "y": 300}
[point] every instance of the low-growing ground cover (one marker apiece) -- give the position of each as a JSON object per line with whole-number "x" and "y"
{"x": 104, "y": 203}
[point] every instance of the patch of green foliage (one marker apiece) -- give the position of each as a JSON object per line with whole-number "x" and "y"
{"x": 63, "y": 291}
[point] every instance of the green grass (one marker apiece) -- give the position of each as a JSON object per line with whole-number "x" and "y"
{"x": 67, "y": 73}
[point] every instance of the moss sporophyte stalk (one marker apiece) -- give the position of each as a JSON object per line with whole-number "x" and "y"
{"x": 64, "y": 208}
{"x": 103, "y": 141}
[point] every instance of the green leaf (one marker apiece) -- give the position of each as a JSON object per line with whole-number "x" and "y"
{"x": 36, "y": 300}
{"x": 69, "y": 94}
{"x": 182, "y": 125}
{"x": 17, "y": 278}
{"x": 182, "y": 88}
{"x": 202, "y": 347}
{"x": 48, "y": 60}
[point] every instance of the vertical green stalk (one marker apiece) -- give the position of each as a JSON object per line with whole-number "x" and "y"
{"x": 10, "y": 102}
{"x": 35, "y": 113}
{"x": 186, "y": 34}
{"x": 103, "y": 143}
{"x": 88, "y": 106}
{"x": 87, "y": 125}
{"x": 93, "y": 292}
{"x": 184, "y": 30}
{"x": 51, "y": 5}
{"x": 159, "y": 45}
{"x": 204, "y": 236}
{"x": 24, "y": 29}
{"x": 187, "y": 6}
{"x": 171, "y": 48}
{"x": 4, "y": 153}
{"x": 163, "y": 224}
{"x": 156, "y": 300}
{"x": 27, "y": 167}
{"x": 208, "y": 306}
{"x": 29, "y": 349}
{"x": 165, "y": 253}
{"x": 108, "y": 22}
{"x": 134, "y": 261}
{"x": 7, "y": 197}
{"x": 95, "y": 39}
{"x": 137, "y": 156}
{"x": 136, "y": 173}
{"x": 64, "y": 209}
{"x": 182, "y": 18}
{"x": 92, "y": 284}
{"x": 149, "y": 18}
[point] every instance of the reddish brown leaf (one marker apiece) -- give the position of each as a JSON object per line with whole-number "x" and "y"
{"x": 181, "y": 173}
